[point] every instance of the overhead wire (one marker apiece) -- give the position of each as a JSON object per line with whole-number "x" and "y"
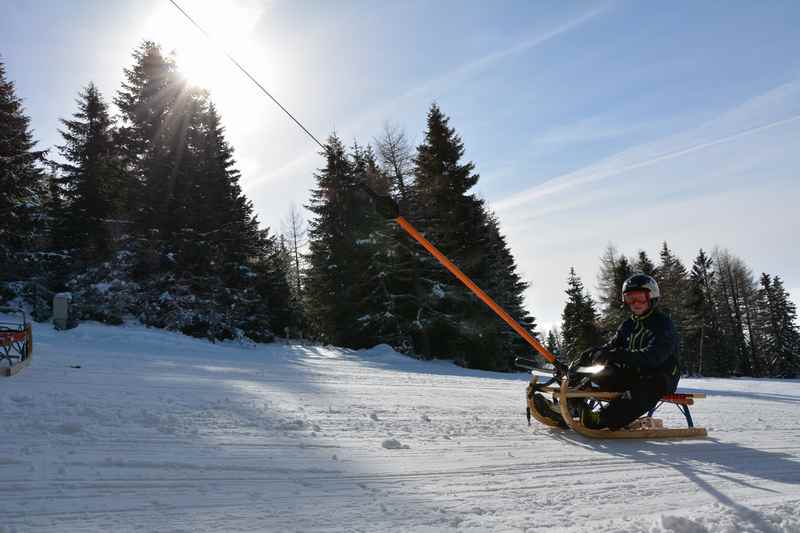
{"x": 245, "y": 72}
{"x": 392, "y": 207}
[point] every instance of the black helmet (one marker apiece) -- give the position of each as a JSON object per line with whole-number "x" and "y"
{"x": 644, "y": 282}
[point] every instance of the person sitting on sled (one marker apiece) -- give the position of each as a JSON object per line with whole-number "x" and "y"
{"x": 641, "y": 359}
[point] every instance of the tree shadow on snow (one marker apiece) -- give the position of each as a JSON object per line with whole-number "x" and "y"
{"x": 709, "y": 458}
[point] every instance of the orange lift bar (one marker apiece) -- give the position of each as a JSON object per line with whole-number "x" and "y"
{"x": 474, "y": 288}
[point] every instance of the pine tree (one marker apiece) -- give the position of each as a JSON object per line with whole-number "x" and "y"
{"x": 735, "y": 291}
{"x": 21, "y": 176}
{"x": 90, "y": 179}
{"x": 614, "y": 270}
{"x": 446, "y": 215}
{"x": 553, "y": 342}
{"x": 778, "y": 319}
{"x": 333, "y": 262}
{"x": 218, "y": 209}
{"x": 54, "y": 209}
{"x": 157, "y": 107}
{"x": 703, "y": 334}
{"x": 382, "y": 285}
{"x": 507, "y": 287}
{"x": 455, "y": 321}
{"x": 396, "y": 257}
{"x": 442, "y": 184}
{"x": 674, "y": 284}
{"x": 579, "y": 329}
{"x": 645, "y": 265}
{"x": 274, "y": 297}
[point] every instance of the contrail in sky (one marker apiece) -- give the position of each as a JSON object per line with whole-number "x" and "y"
{"x": 581, "y": 177}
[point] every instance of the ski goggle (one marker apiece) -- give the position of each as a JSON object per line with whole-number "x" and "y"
{"x": 637, "y": 297}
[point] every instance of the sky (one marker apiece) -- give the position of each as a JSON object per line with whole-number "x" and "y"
{"x": 590, "y": 123}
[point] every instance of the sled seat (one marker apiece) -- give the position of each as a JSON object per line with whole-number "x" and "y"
{"x": 683, "y": 398}
{"x": 678, "y": 398}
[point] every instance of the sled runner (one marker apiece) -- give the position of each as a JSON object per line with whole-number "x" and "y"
{"x": 16, "y": 343}
{"x": 562, "y": 413}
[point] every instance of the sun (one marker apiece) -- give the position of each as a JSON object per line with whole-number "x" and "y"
{"x": 201, "y": 65}
{"x": 202, "y": 61}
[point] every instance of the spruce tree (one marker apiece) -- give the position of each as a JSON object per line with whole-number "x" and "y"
{"x": 614, "y": 270}
{"x": 446, "y": 215}
{"x": 778, "y": 318}
{"x": 410, "y": 289}
{"x": 703, "y": 335}
{"x": 90, "y": 178}
{"x": 553, "y": 342}
{"x": 645, "y": 265}
{"x": 579, "y": 329}
{"x": 335, "y": 259}
{"x": 458, "y": 223}
{"x": 442, "y": 184}
{"x": 273, "y": 306}
{"x": 735, "y": 288}
{"x": 21, "y": 177}
{"x": 55, "y": 210}
{"x": 218, "y": 209}
{"x": 674, "y": 284}
{"x": 507, "y": 288}
{"x": 157, "y": 107}
{"x": 381, "y": 285}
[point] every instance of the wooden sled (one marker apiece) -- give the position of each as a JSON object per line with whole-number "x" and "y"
{"x": 642, "y": 428}
{"x": 16, "y": 345}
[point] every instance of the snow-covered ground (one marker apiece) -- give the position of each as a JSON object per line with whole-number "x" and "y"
{"x": 160, "y": 432}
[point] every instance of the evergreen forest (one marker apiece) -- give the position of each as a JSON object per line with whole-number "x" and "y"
{"x": 139, "y": 214}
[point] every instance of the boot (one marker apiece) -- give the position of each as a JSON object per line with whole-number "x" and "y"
{"x": 548, "y": 409}
{"x": 592, "y": 419}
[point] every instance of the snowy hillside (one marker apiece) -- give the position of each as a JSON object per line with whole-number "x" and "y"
{"x": 160, "y": 432}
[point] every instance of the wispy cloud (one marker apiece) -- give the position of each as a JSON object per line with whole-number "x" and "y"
{"x": 716, "y": 183}
{"x": 456, "y": 76}
{"x": 467, "y": 70}
{"x": 429, "y": 89}
{"x": 785, "y": 97}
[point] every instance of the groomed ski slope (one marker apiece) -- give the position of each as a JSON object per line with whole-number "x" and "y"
{"x": 161, "y": 432}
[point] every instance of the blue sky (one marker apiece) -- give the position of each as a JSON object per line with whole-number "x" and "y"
{"x": 590, "y": 123}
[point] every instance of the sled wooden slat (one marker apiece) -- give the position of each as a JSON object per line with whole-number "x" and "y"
{"x": 678, "y": 397}
{"x": 15, "y": 369}
{"x": 582, "y": 394}
{"x": 655, "y": 433}
{"x": 596, "y": 395}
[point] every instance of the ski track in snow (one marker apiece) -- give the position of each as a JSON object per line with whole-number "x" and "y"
{"x": 160, "y": 432}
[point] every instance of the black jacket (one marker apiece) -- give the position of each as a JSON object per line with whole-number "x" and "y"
{"x": 648, "y": 343}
